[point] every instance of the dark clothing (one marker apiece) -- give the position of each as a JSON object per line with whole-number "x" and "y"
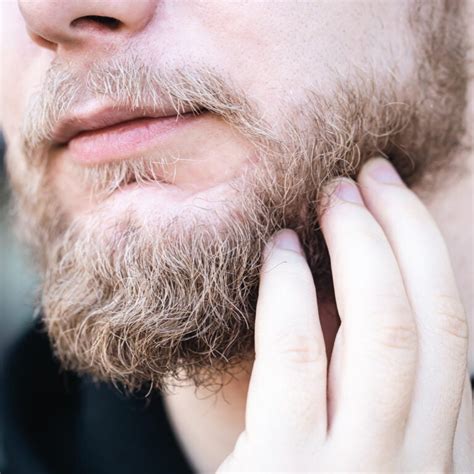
{"x": 57, "y": 423}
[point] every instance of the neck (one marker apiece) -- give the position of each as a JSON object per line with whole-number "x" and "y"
{"x": 207, "y": 422}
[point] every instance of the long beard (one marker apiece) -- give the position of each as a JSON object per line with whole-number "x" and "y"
{"x": 148, "y": 302}
{"x": 144, "y": 303}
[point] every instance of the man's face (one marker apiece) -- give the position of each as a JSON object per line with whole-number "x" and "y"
{"x": 154, "y": 146}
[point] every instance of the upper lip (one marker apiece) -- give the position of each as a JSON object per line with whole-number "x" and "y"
{"x": 95, "y": 118}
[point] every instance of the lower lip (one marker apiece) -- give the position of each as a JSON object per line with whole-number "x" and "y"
{"x": 125, "y": 139}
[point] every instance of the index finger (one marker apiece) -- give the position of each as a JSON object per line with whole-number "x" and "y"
{"x": 287, "y": 393}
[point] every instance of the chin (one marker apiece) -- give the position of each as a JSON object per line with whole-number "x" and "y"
{"x": 157, "y": 207}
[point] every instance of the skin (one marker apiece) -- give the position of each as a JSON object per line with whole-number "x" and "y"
{"x": 280, "y": 415}
{"x": 380, "y": 393}
{"x": 375, "y": 351}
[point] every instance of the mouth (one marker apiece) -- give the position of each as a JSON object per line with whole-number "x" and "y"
{"x": 155, "y": 162}
{"x": 110, "y": 134}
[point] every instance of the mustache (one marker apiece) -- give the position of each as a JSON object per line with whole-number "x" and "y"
{"x": 133, "y": 84}
{"x": 105, "y": 179}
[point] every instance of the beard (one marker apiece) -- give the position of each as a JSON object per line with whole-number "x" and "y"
{"x": 143, "y": 303}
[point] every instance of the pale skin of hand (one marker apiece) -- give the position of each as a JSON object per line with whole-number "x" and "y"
{"x": 396, "y": 397}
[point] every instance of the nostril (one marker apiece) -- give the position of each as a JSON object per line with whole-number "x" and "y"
{"x": 95, "y": 21}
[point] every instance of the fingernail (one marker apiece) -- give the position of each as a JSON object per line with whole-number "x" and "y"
{"x": 348, "y": 191}
{"x": 287, "y": 240}
{"x": 382, "y": 171}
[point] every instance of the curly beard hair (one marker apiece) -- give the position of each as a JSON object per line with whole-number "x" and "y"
{"x": 145, "y": 303}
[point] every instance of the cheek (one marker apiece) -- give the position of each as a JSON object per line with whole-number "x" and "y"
{"x": 277, "y": 51}
{"x": 207, "y": 156}
{"x": 23, "y": 64}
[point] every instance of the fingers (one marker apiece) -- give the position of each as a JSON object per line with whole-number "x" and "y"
{"x": 402, "y": 348}
{"x": 287, "y": 394}
{"x": 441, "y": 324}
{"x": 379, "y": 351}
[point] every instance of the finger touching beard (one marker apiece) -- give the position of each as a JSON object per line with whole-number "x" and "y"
{"x": 140, "y": 301}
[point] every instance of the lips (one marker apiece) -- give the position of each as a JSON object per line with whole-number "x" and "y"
{"x": 110, "y": 134}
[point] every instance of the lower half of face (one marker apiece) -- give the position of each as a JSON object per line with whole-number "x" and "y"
{"x": 149, "y": 234}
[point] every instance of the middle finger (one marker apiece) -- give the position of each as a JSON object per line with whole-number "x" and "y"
{"x": 380, "y": 343}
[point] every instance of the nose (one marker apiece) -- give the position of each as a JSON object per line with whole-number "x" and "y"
{"x": 92, "y": 23}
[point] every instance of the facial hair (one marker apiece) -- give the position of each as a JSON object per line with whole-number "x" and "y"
{"x": 145, "y": 303}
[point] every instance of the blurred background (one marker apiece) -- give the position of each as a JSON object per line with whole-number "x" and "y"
{"x": 17, "y": 279}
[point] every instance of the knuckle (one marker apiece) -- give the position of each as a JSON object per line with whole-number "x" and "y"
{"x": 395, "y": 326}
{"x": 450, "y": 318}
{"x": 299, "y": 349}
{"x": 398, "y": 336}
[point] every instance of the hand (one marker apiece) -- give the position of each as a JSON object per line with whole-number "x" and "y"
{"x": 396, "y": 396}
